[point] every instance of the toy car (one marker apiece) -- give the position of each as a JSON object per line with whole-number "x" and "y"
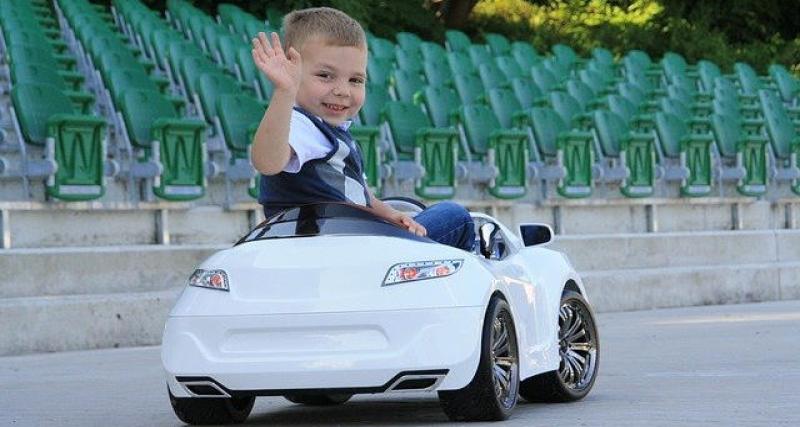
{"x": 325, "y": 301}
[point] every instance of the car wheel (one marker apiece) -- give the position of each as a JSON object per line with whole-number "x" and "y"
{"x": 212, "y": 410}
{"x": 492, "y": 393}
{"x": 318, "y": 399}
{"x": 579, "y": 349}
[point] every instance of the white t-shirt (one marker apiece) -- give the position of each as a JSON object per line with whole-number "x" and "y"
{"x": 307, "y": 141}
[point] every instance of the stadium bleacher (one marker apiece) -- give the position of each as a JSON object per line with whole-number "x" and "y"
{"x": 126, "y": 125}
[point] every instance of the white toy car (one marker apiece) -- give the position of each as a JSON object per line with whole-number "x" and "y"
{"x": 326, "y": 301}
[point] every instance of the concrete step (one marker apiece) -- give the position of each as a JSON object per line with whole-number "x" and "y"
{"x": 103, "y": 270}
{"x": 78, "y": 322}
{"x": 651, "y": 250}
{"x": 648, "y": 288}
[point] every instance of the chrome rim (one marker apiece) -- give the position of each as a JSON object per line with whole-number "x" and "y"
{"x": 577, "y": 345}
{"x": 505, "y": 369}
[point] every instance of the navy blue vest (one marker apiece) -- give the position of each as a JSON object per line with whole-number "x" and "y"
{"x": 337, "y": 177}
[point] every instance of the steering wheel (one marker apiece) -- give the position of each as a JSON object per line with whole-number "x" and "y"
{"x": 405, "y": 204}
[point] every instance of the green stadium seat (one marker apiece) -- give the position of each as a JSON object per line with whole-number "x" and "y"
{"x": 368, "y": 140}
{"x": 558, "y": 69}
{"x": 505, "y": 107}
{"x": 433, "y": 52}
{"x": 510, "y": 68}
{"x": 377, "y": 96}
{"x": 492, "y": 77}
{"x": 742, "y": 155}
{"x": 434, "y": 151}
{"x": 685, "y": 155}
{"x": 566, "y": 55}
{"x": 74, "y": 145}
{"x": 525, "y": 55}
{"x": 174, "y": 145}
{"x": 631, "y": 149}
{"x": 249, "y": 74}
{"x": 749, "y": 82}
{"x": 603, "y": 56}
{"x": 787, "y": 84}
{"x": 409, "y": 42}
{"x": 498, "y": 44}
{"x": 239, "y": 117}
{"x": 479, "y": 54}
{"x": 565, "y": 156}
{"x": 381, "y": 48}
{"x": 456, "y": 41}
{"x": 570, "y": 110}
{"x": 460, "y": 63}
{"x": 784, "y": 139}
{"x": 378, "y": 70}
{"x": 210, "y": 87}
{"x": 469, "y": 88}
{"x": 505, "y": 151}
{"x": 437, "y": 73}
{"x": 544, "y": 78}
{"x": 707, "y": 72}
{"x": 408, "y": 60}
{"x": 582, "y": 93}
{"x": 528, "y": 94}
{"x": 440, "y": 103}
{"x": 406, "y": 84}
{"x": 22, "y": 72}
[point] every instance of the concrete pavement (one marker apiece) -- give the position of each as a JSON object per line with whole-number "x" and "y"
{"x": 698, "y": 366}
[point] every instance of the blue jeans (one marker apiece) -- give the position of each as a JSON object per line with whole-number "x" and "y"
{"x": 448, "y": 223}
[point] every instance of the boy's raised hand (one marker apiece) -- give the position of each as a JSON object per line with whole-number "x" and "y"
{"x": 282, "y": 69}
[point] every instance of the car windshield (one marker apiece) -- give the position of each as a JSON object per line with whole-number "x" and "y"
{"x": 326, "y": 219}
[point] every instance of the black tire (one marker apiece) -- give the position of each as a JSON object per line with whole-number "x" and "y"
{"x": 318, "y": 399}
{"x": 563, "y": 385}
{"x": 211, "y": 410}
{"x": 485, "y": 398}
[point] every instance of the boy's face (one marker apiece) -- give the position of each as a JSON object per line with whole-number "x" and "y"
{"x": 332, "y": 83}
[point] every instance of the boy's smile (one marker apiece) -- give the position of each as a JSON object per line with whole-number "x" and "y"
{"x": 333, "y": 78}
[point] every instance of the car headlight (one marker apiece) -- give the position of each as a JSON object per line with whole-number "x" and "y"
{"x": 421, "y": 270}
{"x": 212, "y": 279}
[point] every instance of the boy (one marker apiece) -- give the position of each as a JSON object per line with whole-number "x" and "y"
{"x": 302, "y": 147}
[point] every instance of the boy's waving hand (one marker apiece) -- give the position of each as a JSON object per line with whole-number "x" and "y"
{"x": 282, "y": 69}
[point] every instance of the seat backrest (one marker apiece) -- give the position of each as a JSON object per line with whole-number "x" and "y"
{"x": 440, "y": 102}
{"x": 525, "y": 55}
{"x": 708, "y": 72}
{"x": 404, "y": 120}
{"x": 498, "y": 44}
{"x": 748, "y": 80}
{"x": 603, "y": 56}
{"x": 676, "y": 107}
{"x": 543, "y": 78}
{"x": 779, "y": 125}
{"x": 727, "y": 132}
{"x": 460, "y": 63}
{"x": 227, "y": 47}
{"x": 581, "y": 92}
{"x": 559, "y": 69}
{"x": 408, "y": 60}
{"x": 379, "y": 69}
{"x": 673, "y": 63}
{"x": 456, "y": 41}
{"x": 406, "y": 84}
{"x": 469, "y": 87}
{"x": 610, "y": 129}
{"x": 632, "y": 92}
{"x": 238, "y": 114}
{"x": 192, "y": 67}
{"x": 565, "y": 105}
{"x": 123, "y": 79}
{"x": 636, "y": 60}
{"x": 433, "y": 52}
{"x": 788, "y": 85}
{"x": 376, "y": 97}
{"x": 622, "y": 107}
{"x": 479, "y": 122}
{"x": 437, "y": 73}
{"x": 34, "y": 104}
{"x": 526, "y": 91}
{"x": 141, "y": 108}
{"x": 491, "y": 76}
{"x": 546, "y": 125}
{"x": 212, "y": 85}
{"x": 26, "y": 72}
{"x": 670, "y": 129}
{"x": 504, "y": 104}
{"x": 381, "y": 48}
{"x": 565, "y": 54}
{"x": 408, "y": 41}
{"x": 479, "y": 54}
{"x": 510, "y": 68}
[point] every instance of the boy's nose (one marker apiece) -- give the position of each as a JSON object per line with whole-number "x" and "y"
{"x": 340, "y": 91}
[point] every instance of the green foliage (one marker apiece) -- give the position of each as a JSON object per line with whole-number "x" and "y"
{"x": 751, "y": 31}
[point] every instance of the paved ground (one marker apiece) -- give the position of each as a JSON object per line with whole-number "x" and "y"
{"x": 718, "y": 366}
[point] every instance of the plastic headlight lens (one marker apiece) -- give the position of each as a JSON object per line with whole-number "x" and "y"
{"x": 212, "y": 279}
{"x": 422, "y": 270}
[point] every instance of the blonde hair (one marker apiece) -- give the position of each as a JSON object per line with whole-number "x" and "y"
{"x": 334, "y": 26}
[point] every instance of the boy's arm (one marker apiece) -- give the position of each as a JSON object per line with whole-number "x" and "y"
{"x": 388, "y": 213}
{"x": 270, "y": 151}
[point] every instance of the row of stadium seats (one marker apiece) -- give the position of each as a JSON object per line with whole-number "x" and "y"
{"x": 182, "y": 98}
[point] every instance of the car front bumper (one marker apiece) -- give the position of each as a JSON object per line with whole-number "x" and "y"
{"x": 359, "y": 352}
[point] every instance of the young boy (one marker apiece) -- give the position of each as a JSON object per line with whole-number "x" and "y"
{"x": 302, "y": 147}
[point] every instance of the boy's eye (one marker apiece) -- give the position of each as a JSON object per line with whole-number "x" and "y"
{"x": 325, "y": 76}
{"x": 358, "y": 81}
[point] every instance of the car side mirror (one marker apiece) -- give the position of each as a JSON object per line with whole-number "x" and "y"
{"x": 535, "y": 234}
{"x": 486, "y": 233}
